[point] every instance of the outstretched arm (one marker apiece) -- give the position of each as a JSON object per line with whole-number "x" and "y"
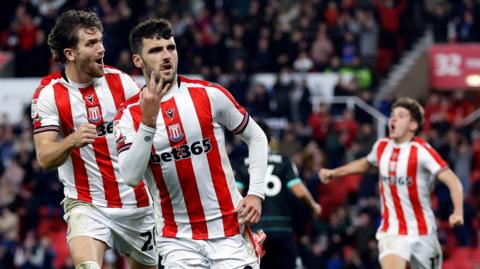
{"x": 356, "y": 167}
{"x": 301, "y": 192}
{"x": 456, "y": 193}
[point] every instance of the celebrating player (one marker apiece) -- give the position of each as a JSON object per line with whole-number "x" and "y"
{"x": 282, "y": 176}
{"x": 172, "y": 135}
{"x": 407, "y": 166}
{"x": 79, "y": 103}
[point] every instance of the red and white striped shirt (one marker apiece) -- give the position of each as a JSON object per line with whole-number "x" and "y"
{"x": 406, "y": 172}
{"x": 90, "y": 173}
{"x": 189, "y": 174}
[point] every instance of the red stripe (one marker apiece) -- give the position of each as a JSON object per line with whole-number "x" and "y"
{"x": 413, "y": 191}
{"x": 116, "y": 88}
{"x": 442, "y": 163}
{"x": 102, "y": 154}
{"x": 170, "y": 227}
{"x": 62, "y": 101}
{"x": 204, "y": 113}
{"x": 381, "y": 148}
{"x": 186, "y": 176}
{"x": 392, "y": 173}
{"x": 141, "y": 195}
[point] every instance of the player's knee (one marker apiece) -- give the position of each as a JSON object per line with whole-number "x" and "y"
{"x": 88, "y": 265}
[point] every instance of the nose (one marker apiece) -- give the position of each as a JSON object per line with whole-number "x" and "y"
{"x": 166, "y": 55}
{"x": 101, "y": 48}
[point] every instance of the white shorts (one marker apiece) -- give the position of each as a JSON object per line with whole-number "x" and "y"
{"x": 130, "y": 230}
{"x": 422, "y": 252}
{"x": 229, "y": 252}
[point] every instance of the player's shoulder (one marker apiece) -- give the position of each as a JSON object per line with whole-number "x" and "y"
{"x": 201, "y": 83}
{"x": 110, "y": 70}
{"x": 47, "y": 82}
{"x": 128, "y": 104}
{"x": 107, "y": 69}
{"x": 422, "y": 144}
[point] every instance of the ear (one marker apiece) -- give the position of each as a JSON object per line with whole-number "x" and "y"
{"x": 413, "y": 126}
{"x": 69, "y": 54}
{"x": 137, "y": 61}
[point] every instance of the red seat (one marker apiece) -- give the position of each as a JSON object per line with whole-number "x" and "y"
{"x": 59, "y": 244}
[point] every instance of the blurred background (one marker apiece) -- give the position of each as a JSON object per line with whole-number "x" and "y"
{"x": 321, "y": 73}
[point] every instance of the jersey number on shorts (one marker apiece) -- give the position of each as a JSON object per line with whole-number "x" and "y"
{"x": 150, "y": 235}
{"x": 273, "y": 184}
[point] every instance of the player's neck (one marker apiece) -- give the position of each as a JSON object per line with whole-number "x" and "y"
{"x": 75, "y": 75}
{"x": 407, "y": 137}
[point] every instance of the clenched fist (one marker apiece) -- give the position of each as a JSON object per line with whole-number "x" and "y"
{"x": 326, "y": 175}
{"x": 84, "y": 135}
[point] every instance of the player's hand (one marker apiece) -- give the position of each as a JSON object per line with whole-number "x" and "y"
{"x": 326, "y": 175}
{"x": 84, "y": 135}
{"x": 249, "y": 209}
{"x": 150, "y": 99}
{"x": 316, "y": 210}
{"x": 455, "y": 219}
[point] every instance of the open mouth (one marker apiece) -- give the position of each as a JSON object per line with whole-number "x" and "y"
{"x": 99, "y": 61}
{"x": 165, "y": 67}
{"x": 392, "y": 127}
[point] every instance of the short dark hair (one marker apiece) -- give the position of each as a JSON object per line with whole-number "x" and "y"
{"x": 152, "y": 28}
{"x": 415, "y": 109}
{"x": 65, "y": 32}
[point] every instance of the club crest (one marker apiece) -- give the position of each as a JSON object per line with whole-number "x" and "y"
{"x": 175, "y": 132}
{"x": 94, "y": 114}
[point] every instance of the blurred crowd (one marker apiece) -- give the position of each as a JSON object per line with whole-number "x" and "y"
{"x": 227, "y": 42}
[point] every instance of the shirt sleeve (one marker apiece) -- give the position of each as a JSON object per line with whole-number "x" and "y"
{"x": 257, "y": 144}
{"x": 130, "y": 87}
{"x": 44, "y": 112}
{"x": 133, "y": 147}
{"x": 227, "y": 111}
{"x": 431, "y": 160}
{"x": 372, "y": 156}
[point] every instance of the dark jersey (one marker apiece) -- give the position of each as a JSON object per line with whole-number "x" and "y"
{"x": 281, "y": 175}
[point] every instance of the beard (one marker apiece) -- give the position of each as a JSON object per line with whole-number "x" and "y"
{"x": 167, "y": 79}
{"x": 90, "y": 67}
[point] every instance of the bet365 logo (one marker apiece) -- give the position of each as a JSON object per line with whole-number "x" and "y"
{"x": 183, "y": 152}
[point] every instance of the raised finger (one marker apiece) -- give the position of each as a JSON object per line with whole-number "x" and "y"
{"x": 151, "y": 84}
{"x": 165, "y": 89}
{"x": 159, "y": 86}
